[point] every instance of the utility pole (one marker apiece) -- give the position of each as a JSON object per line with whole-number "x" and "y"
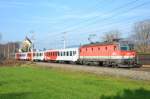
{"x": 14, "y": 51}
{"x": 4, "y": 51}
{"x": 64, "y": 39}
{"x": 8, "y": 51}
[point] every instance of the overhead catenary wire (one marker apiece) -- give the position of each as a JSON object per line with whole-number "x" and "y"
{"x": 91, "y": 19}
{"x": 116, "y": 14}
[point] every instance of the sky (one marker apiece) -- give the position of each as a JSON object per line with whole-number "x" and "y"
{"x": 45, "y": 21}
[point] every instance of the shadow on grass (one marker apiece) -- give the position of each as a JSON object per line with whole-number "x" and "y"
{"x": 130, "y": 94}
{"x": 15, "y": 95}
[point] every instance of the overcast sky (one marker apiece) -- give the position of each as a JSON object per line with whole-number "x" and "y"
{"x": 48, "y": 19}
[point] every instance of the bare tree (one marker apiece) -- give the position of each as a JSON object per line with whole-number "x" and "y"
{"x": 142, "y": 35}
{"x": 111, "y": 35}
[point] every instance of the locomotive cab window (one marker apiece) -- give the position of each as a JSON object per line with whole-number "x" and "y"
{"x": 127, "y": 47}
{"x": 124, "y": 48}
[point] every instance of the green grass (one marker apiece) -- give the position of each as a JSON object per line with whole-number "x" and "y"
{"x": 42, "y": 83}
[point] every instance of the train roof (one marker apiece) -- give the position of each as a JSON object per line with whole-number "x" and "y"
{"x": 63, "y": 49}
{"x": 100, "y": 43}
{"x": 114, "y": 42}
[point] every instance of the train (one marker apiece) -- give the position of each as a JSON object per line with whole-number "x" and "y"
{"x": 114, "y": 54}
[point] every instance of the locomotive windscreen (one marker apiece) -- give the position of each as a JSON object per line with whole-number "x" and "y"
{"x": 125, "y": 45}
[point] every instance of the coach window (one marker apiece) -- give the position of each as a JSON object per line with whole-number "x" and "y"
{"x": 56, "y": 53}
{"x": 74, "y": 52}
{"x": 70, "y": 53}
{"x": 60, "y": 53}
{"x": 67, "y": 53}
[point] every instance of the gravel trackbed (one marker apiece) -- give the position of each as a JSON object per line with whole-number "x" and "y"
{"x": 117, "y": 72}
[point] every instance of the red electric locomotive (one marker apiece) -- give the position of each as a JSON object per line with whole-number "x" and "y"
{"x": 119, "y": 54}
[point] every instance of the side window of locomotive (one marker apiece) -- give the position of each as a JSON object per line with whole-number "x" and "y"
{"x": 106, "y": 48}
{"x": 115, "y": 48}
{"x": 92, "y": 49}
{"x": 131, "y": 46}
{"x": 86, "y": 49}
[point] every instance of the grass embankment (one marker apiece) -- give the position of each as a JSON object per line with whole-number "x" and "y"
{"x": 40, "y": 83}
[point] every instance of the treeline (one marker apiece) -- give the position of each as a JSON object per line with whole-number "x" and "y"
{"x": 141, "y": 36}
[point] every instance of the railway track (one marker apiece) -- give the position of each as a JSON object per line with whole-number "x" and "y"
{"x": 133, "y": 73}
{"x": 143, "y": 68}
